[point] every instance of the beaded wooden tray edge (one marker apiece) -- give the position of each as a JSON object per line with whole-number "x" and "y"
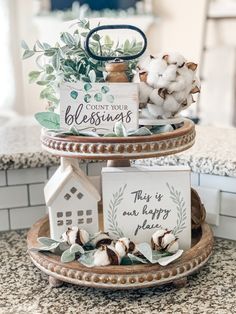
{"x": 134, "y": 147}
{"x": 121, "y": 277}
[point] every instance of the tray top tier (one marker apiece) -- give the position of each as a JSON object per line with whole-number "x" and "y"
{"x": 111, "y": 148}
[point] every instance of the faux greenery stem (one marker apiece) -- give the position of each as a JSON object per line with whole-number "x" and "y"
{"x": 69, "y": 61}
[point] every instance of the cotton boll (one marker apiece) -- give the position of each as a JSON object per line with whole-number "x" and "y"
{"x": 173, "y": 247}
{"x": 167, "y": 239}
{"x": 180, "y": 96}
{"x": 170, "y": 73}
{"x": 178, "y": 85}
{"x": 191, "y": 66}
{"x": 124, "y": 246}
{"x": 190, "y": 101}
{"x": 162, "y": 83}
{"x": 157, "y": 66}
{"x": 170, "y": 104}
{"x": 183, "y": 81}
{"x": 64, "y": 237}
{"x": 136, "y": 78}
{"x": 145, "y": 62}
{"x": 84, "y": 236}
{"x": 187, "y": 102}
{"x": 144, "y": 92}
{"x": 155, "y": 98}
{"x": 175, "y": 78}
{"x": 75, "y": 235}
{"x": 140, "y": 76}
{"x": 163, "y": 239}
{"x": 106, "y": 255}
{"x": 155, "y": 70}
{"x": 175, "y": 58}
{"x": 188, "y": 77}
{"x": 101, "y": 258}
{"x": 100, "y": 239}
{"x": 157, "y": 238}
{"x": 120, "y": 248}
{"x": 195, "y": 90}
{"x": 196, "y": 86}
{"x": 155, "y": 111}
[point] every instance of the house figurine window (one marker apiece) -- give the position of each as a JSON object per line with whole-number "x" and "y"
{"x": 80, "y": 195}
{"x": 85, "y": 216}
{"x": 73, "y": 190}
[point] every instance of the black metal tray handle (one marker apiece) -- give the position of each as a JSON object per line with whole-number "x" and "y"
{"x": 118, "y": 26}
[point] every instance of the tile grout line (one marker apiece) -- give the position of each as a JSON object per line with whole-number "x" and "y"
{"x": 9, "y": 218}
{"x": 21, "y": 184}
{"x": 26, "y": 206}
{"x": 47, "y": 169}
{"x": 6, "y": 177}
{"x": 28, "y": 194}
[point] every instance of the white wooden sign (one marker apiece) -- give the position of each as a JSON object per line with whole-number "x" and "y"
{"x": 139, "y": 200}
{"x": 97, "y": 106}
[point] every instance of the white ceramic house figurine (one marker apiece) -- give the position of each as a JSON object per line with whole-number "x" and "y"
{"x": 72, "y": 200}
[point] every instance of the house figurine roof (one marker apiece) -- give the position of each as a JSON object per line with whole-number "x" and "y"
{"x": 69, "y": 168}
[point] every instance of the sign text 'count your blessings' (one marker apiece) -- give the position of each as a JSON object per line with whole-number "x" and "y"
{"x": 97, "y": 106}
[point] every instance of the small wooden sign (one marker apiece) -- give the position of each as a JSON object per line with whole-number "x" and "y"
{"x": 97, "y": 106}
{"x": 139, "y": 200}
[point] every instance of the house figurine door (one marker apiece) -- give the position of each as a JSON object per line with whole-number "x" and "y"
{"x": 72, "y": 200}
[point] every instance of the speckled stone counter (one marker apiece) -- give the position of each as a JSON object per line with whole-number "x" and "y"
{"x": 213, "y": 153}
{"x": 20, "y": 145}
{"x": 24, "y": 289}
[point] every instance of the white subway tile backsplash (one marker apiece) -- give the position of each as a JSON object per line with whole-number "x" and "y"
{"x": 228, "y": 204}
{"x": 51, "y": 171}
{"x": 95, "y": 168}
{"x": 13, "y": 196}
{"x": 97, "y": 182}
{"x": 226, "y": 228}
{"x": 83, "y": 166}
{"x": 36, "y": 194}
{"x": 25, "y": 217}
{"x": 26, "y": 203}
{"x": 194, "y": 178}
{"x": 211, "y": 200}
{"x": 4, "y": 220}
{"x": 3, "y": 177}
{"x": 222, "y": 183}
{"x": 23, "y": 176}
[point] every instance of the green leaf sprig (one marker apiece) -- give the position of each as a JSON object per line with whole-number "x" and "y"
{"x": 68, "y": 61}
{"x": 70, "y": 254}
{"x": 49, "y": 245}
{"x": 85, "y": 255}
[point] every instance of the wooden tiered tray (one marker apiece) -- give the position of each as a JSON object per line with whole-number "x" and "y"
{"x": 118, "y": 151}
{"x": 121, "y": 277}
{"x": 107, "y": 148}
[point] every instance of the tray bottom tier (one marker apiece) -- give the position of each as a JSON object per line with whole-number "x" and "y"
{"x": 121, "y": 277}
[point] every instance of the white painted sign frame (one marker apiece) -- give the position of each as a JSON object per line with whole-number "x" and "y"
{"x": 97, "y": 106}
{"x": 164, "y": 202}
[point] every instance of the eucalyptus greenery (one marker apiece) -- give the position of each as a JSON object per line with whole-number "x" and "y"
{"x": 85, "y": 255}
{"x": 68, "y": 61}
{"x": 51, "y": 121}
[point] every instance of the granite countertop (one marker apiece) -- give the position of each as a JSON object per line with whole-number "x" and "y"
{"x": 24, "y": 289}
{"x": 20, "y": 145}
{"x": 214, "y": 151}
